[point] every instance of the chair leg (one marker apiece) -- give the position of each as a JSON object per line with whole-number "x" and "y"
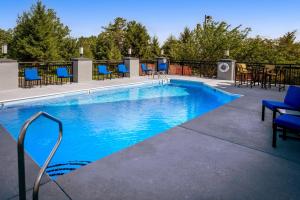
{"x": 235, "y": 79}
{"x": 274, "y": 135}
{"x": 284, "y": 134}
{"x": 263, "y": 113}
{"x": 274, "y": 114}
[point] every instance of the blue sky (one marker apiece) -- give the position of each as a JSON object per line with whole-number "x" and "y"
{"x": 269, "y": 18}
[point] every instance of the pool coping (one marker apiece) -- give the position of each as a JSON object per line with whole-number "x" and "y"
{"x": 74, "y": 92}
{"x": 8, "y": 102}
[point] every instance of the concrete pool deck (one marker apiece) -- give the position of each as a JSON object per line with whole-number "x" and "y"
{"x": 224, "y": 154}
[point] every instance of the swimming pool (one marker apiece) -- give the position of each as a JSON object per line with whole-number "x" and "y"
{"x": 101, "y": 123}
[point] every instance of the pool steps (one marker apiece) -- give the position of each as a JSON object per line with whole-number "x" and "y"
{"x": 59, "y": 169}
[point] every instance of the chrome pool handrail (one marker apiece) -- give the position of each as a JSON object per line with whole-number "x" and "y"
{"x": 21, "y": 164}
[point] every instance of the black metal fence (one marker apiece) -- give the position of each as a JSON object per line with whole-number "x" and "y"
{"x": 111, "y": 66}
{"x": 290, "y": 73}
{"x": 46, "y": 70}
{"x": 287, "y": 73}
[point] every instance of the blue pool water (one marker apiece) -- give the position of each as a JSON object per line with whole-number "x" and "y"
{"x": 101, "y": 123}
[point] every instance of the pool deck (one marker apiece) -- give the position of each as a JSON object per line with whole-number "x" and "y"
{"x": 224, "y": 154}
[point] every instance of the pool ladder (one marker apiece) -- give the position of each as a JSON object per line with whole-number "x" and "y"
{"x": 21, "y": 164}
{"x": 164, "y": 79}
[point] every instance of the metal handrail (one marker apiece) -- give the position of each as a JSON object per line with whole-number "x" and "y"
{"x": 21, "y": 164}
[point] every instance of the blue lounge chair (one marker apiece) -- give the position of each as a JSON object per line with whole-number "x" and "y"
{"x": 145, "y": 69}
{"x": 30, "y": 75}
{"x": 162, "y": 68}
{"x": 62, "y": 72}
{"x": 122, "y": 69}
{"x": 102, "y": 69}
{"x": 286, "y": 122}
{"x": 291, "y": 102}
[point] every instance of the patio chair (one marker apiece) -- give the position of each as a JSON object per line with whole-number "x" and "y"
{"x": 122, "y": 69}
{"x": 269, "y": 75}
{"x": 286, "y": 122}
{"x": 162, "y": 68}
{"x": 31, "y": 75}
{"x": 102, "y": 69}
{"x": 145, "y": 69}
{"x": 243, "y": 74}
{"x": 62, "y": 73}
{"x": 291, "y": 102}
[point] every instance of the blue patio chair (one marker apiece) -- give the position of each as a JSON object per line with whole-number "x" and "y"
{"x": 162, "y": 68}
{"x": 286, "y": 122}
{"x": 145, "y": 69}
{"x": 31, "y": 75}
{"x": 122, "y": 69}
{"x": 102, "y": 69}
{"x": 291, "y": 102}
{"x": 62, "y": 72}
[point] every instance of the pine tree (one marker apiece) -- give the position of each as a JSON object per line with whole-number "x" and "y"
{"x": 138, "y": 39}
{"x": 171, "y": 48}
{"x": 106, "y": 47}
{"x": 89, "y": 46}
{"x": 119, "y": 36}
{"x": 39, "y": 35}
{"x": 155, "y": 48}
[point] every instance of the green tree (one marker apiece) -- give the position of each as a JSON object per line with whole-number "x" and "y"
{"x": 39, "y": 35}
{"x": 110, "y": 42}
{"x": 106, "y": 47}
{"x": 213, "y": 38}
{"x": 138, "y": 39}
{"x": 206, "y": 42}
{"x": 89, "y": 46}
{"x": 257, "y": 50}
{"x": 171, "y": 48}
{"x": 288, "y": 48}
{"x": 155, "y": 47}
{"x": 121, "y": 35}
{"x": 188, "y": 49}
{"x": 68, "y": 48}
{"x": 116, "y": 31}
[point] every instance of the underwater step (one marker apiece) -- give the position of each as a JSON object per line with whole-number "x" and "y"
{"x": 59, "y": 169}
